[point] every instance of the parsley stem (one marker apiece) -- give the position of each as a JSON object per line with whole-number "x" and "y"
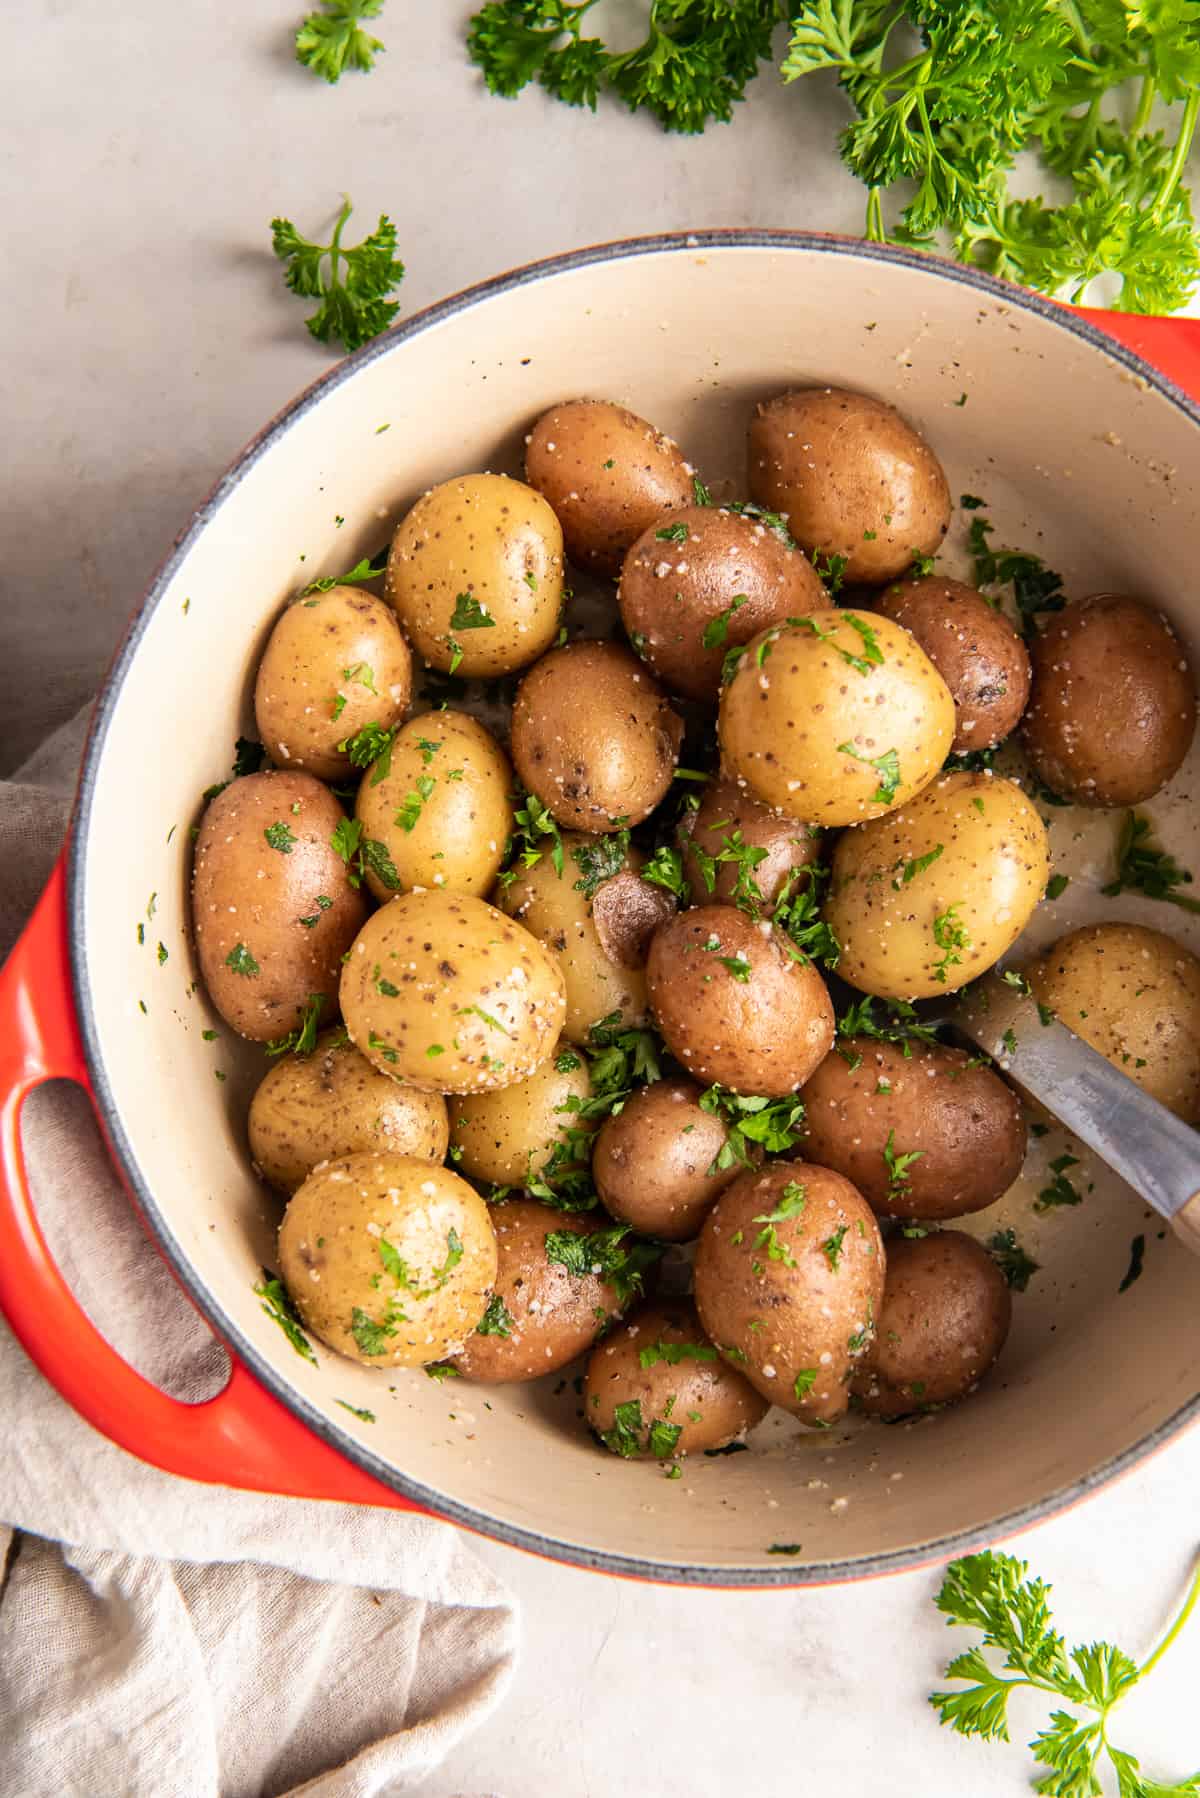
{"x": 335, "y": 242}
{"x": 1183, "y": 145}
{"x": 1189, "y": 1605}
{"x": 1144, "y": 106}
{"x": 1071, "y": 13}
{"x": 875, "y": 227}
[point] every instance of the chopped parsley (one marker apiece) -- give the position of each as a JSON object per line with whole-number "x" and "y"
{"x": 242, "y": 962}
{"x": 370, "y": 747}
{"x": 1057, "y": 885}
{"x": 673, "y": 533}
{"x": 1060, "y": 1190}
{"x": 716, "y": 631}
{"x": 1036, "y": 588}
{"x": 906, "y": 871}
{"x": 1017, "y": 1267}
{"x": 497, "y": 1320}
{"x": 470, "y": 615}
{"x": 773, "y": 1124}
{"x": 279, "y": 836}
{"x": 950, "y": 935}
{"x": 872, "y": 655}
{"x": 665, "y": 869}
{"x": 1137, "y": 1255}
{"x": 598, "y": 860}
{"x": 1143, "y": 868}
{"x": 277, "y": 1303}
{"x": 901, "y": 1026}
{"x": 303, "y": 1039}
{"x": 533, "y": 821}
{"x": 886, "y": 765}
{"x": 322, "y": 903}
{"x": 609, "y": 1254}
{"x": 804, "y": 1381}
{"x": 359, "y": 1411}
{"x": 898, "y": 1166}
{"x": 675, "y": 1352}
{"x": 409, "y": 814}
{"x": 831, "y": 1248}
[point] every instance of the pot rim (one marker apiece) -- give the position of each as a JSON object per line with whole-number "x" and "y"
{"x": 936, "y": 1549}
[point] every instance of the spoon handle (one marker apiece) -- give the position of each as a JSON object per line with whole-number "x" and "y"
{"x": 1154, "y": 1151}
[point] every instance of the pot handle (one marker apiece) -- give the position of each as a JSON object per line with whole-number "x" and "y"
{"x": 243, "y": 1437}
{"x": 1171, "y": 345}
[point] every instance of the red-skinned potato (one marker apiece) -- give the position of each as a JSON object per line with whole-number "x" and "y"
{"x": 594, "y": 738}
{"x": 1113, "y": 708}
{"x": 272, "y": 905}
{"x": 945, "y": 1317}
{"x": 920, "y": 1131}
{"x": 721, "y": 840}
{"x": 852, "y": 478}
{"x": 734, "y": 1002}
{"x": 789, "y": 1279}
{"x": 973, "y": 647}
{"x": 688, "y": 1399}
{"x": 608, "y": 475}
{"x": 654, "y": 1163}
{"x": 702, "y": 580}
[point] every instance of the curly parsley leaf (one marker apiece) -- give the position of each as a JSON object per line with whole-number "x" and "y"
{"x": 352, "y": 285}
{"x": 331, "y": 41}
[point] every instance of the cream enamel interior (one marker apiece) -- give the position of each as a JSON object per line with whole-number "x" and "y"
{"x": 1075, "y": 455}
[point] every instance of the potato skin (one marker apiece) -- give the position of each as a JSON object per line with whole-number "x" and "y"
{"x": 975, "y": 650}
{"x": 764, "y": 1034}
{"x": 496, "y": 541}
{"x": 462, "y": 824}
{"x": 818, "y": 1317}
{"x": 312, "y": 1108}
{"x": 992, "y": 869}
{"x": 728, "y": 567}
{"x": 706, "y": 1399}
{"x": 852, "y": 478}
{"x": 1134, "y": 995}
{"x": 728, "y": 814}
{"x": 341, "y": 646}
{"x": 1113, "y": 708}
{"x": 964, "y": 1122}
{"x": 249, "y": 900}
{"x": 800, "y": 726}
{"x": 476, "y": 1003}
{"x": 553, "y": 908}
{"x": 945, "y": 1317}
{"x": 507, "y": 1136}
{"x": 608, "y": 475}
{"x": 652, "y": 1158}
{"x": 339, "y": 1226}
{"x": 553, "y": 1314}
{"x": 594, "y": 737}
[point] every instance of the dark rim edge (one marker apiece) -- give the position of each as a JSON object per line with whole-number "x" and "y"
{"x": 440, "y": 1504}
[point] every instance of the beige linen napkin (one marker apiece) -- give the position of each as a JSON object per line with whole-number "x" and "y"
{"x": 165, "y": 1639}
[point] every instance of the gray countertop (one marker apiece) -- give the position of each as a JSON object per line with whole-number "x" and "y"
{"x": 148, "y": 335}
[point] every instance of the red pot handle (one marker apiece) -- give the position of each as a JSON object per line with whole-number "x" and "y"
{"x": 1171, "y": 345}
{"x": 242, "y": 1437}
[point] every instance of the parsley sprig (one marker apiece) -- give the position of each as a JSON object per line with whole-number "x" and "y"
{"x": 691, "y": 67}
{"x": 532, "y": 822}
{"x": 991, "y": 1593}
{"x": 354, "y": 298}
{"x": 614, "y": 1255}
{"x": 770, "y": 1124}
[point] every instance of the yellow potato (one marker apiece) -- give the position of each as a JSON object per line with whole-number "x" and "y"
{"x": 509, "y": 1136}
{"x": 835, "y": 718}
{"x": 1133, "y": 994}
{"x": 334, "y": 663}
{"x": 447, "y": 994}
{"x": 309, "y": 1108}
{"x": 926, "y": 899}
{"x": 443, "y": 808}
{"x": 388, "y": 1260}
{"x": 475, "y": 574}
{"x": 558, "y": 912}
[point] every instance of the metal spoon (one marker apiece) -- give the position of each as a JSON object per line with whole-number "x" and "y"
{"x": 1152, "y": 1150}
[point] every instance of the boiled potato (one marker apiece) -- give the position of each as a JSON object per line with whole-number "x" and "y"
{"x": 973, "y": 647}
{"x": 1113, "y": 708}
{"x": 851, "y": 477}
{"x": 789, "y": 1280}
{"x": 475, "y": 574}
{"x": 388, "y": 1259}
{"x": 608, "y": 475}
{"x": 507, "y": 1137}
{"x": 687, "y": 1398}
{"x": 272, "y": 905}
{"x": 738, "y": 850}
{"x": 440, "y": 804}
{"x": 334, "y": 662}
{"x": 925, "y": 900}
{"x": 1134, "y": 995}
{"x": 703, "y": 580}
{"x": 922, "y": 1130}
{"x": 594, "y": 737}
{"x": 835, "y": 718}
{"x": 310, "y": 1108}
{"x": 448, "y": 995}
{"x": 558, "y": 908}
{"x": 735, "y": 1004}
{"x": 654, "y": 1163}
{"x": 547, "y": 1307}
{"x": 945, "y": 1317}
